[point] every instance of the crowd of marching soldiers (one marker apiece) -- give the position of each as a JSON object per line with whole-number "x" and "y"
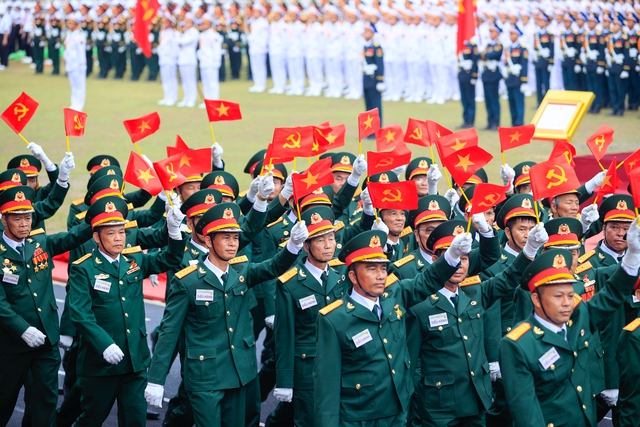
{"x": 373, "y": 317}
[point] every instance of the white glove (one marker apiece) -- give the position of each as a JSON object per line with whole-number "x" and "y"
{"x": 632, "y": 257}
{"x": 516, "y": 69}
{"x": 633, "y": 52}
{"x": 466, "y": 64}
{"x": 433, "y": 176}
{"x": 369, "y": 69}
{"x": 550, "y": 68}
{"x": 154, "y": 393}
{"x": 33, "y": 337}
{"x": 637, "y": 68}
{"x": 379, "y": 225}
{"x": 492, "y": 65}
{"x": 599, "y": 70}
{"x": 494, "y": 371}
{"x": 537, "y": 237}
{"x": 113, "y": 354}
{"x": 381, "y": 87}
{"x": 505, "y": 74}
{"x": 595, "y": 182}
{"x": 216, "y": 153}
{"x": 472, "y": 81}
{"x": 266, "y": 186}
{"x": 461, "y": 245}
{"x": 359, "y": 168}
{"x": 154, "y": 280}
{"x": 507, "y": 174}
{"x": 593, "y": 54}
{"x": 618, "y": 58}
{"x": 39, "y": 154}
{"x": 523, "y": 88}
{"x": 481, "y": 224}
{"x": 588, "y": 216}
{"x": 583, "y": 57}
{"x": 269, "y": 321}
{"x": 577, "y": 68}
{"x": 624, "y": 75}
{"x": 174, "y": 220}
{"x": 399, "y": 170}
{"x": 606, "y": 73}
{"x": 610, "y": 396}
{"x": 283, "y": 394}
{"x": 545, "y": 52}
{"x": 148, "y": 160}
{"x": 66, "y": 166}
{"x": 367, "y": 204}
{"x": 299, "y": 234}
{"x": 65, "y": 342}
{"x": 452, "y": 197}
{"x": 287, "y": 190}
{"x": 254, "y": 187}
{"x": 570, "y": 52}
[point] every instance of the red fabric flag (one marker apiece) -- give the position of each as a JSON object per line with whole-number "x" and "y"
{"x": 140, "y": 174}
{"x": 219, "y": 111}
{"x": 142, "y": 127}
{"x": 417, "y": 133}
{"x": 563, "y": 148}
{"x": 382, "y": 162}
{"x": 168, "y": 171}
{"x": 452, "y": 143}
{"x": 318, "y": 175}
{"x": 368, "y": 123}
{"x": 436, "y": 131}
{"x": 293, "y": 142}
{"x": 268, "y": 157}
{"x": 335, "y": 135}
{"x": 462, "y": 164}
{"x": 74, "y": 122}
{"x": 387, "y": 138}
{"x": 18, "y": 114}
{"x": 611, "y": 181}
{"x": 486, "y": 196}
{"x": 180, "y": 147}
{"x": 320, "y": 143}
{"x": 145, "y": 12}
{"x": 466, "y": 22}
{"x": 195, "y": 162}
{"x": 632, "y": 162}
{"x": 515, "y": 136}
{"x": 394, "y": 195}
{"x": 600, "y": 141}
{"x": 634, "y": 180}
{"x": 553, "y": 177}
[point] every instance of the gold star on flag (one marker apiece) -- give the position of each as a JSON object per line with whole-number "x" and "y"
{"x": 143, "y": 126}
{"x": 458, "y": 145}
{"x": 515, "y": 137}
{"x": 222, "y": 110}
{"x": 331, "y": 138}
{"x": 390, "y": 136}
{"x": 185, "y": 160}
{"x": 368, "y": 122}
{"x": 310, "y": 180}
{"x": 632, "y": 164}
{"x": 607, "y": 181}
{"x": 145, "y": 175}
{"x": 464, "y": 162}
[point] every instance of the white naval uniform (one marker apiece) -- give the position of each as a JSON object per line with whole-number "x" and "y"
{"x": 295, "y": 57}
{"x": 209, "y": 58}
{"x": 333, "y": 59}
{"x": 168, "y": 62}
{"x": 75, "y": 63}
{"x": 353, "y": 51}
{"x": 278, "y": 38}
{"x": 314, "y": 56}
{"x": 187, "y": 62}
{"x": 451, "y": 62}
{"x": 258, "y": 39}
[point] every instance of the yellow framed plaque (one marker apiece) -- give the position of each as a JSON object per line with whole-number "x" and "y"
{"x": 560, "y": 114}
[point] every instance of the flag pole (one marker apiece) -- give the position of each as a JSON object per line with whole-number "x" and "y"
{"x": 23, "y": 138}
{"x": 165, "y": 191}
{"x": 619, "y": 164}
{"x": 469, "y": 224}
{"x": 535, "y": 208}
{"x": 359, "y": 147}
{"x": 213, "y": 135}
{"x": 433, "y": 157}
{"x": 309, "y": 159}
{"x": 638, "y": 219}
{"x": 137, "y": 148}
{"x": 295, "y": 164}
{"x": 600, "y": 164}
{"x": 504, "y": 162}
{"x": 169, "y": 198}
{"x": 68, "y": 145}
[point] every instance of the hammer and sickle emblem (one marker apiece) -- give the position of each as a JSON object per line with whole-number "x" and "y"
{"x": 392, "y": 195}
{"x": 416, "y": 134}
{"x": 489, "y": 200}
{"x": 562, "y": 177}
{"x": 316, "y": 146}
{"x": 20, "y": 110}
{"x": 148, "y": 13}
{"x": 77, "y": 125}
{"x": 170, "y": 171}
{"x": 568, "y": 156}
{"x": 295, "y": 143}
{"x": 600, "y": 142}
{"x": 387, "y": 161}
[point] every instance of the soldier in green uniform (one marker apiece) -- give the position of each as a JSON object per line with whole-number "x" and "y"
{"x": 222, "y": 30}
{"x": 28, "y": 310}
{"x": 154, "y": 38}
{"x": 425, "y": 174}
{"x": 38, "y": 43}
{"x": 545, "y": 359}
{"x": 54, "y": 37}
{"x": 107, "y": 308}
{"x": 136, "y": 59}
{"x": 629, "y": 368}
{"x": 235, "y": 37}
{"x": 209, "y": 305}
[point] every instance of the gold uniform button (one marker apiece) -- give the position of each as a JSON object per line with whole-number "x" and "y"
{"x": 232, "y": 347}
{"x": 384, "y": 340}
{"x": 126, "y": 315}
{"x": 459, "y": 320}
{"x": 438, "y": 384}
{"x": 550, "y": 425}
{"x": 228, "y": 313}
{"x": 29, "y": 280}
{"x": 28, "y": 266}
{"x": 478, "y": 315}
{"x": 380, "y": 326}
{"x": 472, "y": 374}
{"x": 469, "y": 354}
{"x": 439, "y": 328}
{"x": 575, "y": 354}
{"x": 230, "y": 329}
{"x": 121, "y": 282}
{"x": 226, "y": 295}
{"x": 304, "y": 356}
{"x": 35, "y": 294}
{"x": 465, "y": 337}
{"x": 586, "y": 343}
{"x": 584, "y": 407}
{"x": 357, "y": 386}
{"x": 552, "y": 367}
{"x": 128, "y": 331}
{"x": 572, "y": 371}
{"x": 206, "y": 304}
{"x": 579, "y": 388}
{"x": 124, "y": 299}
{"x": 201, "y": 357}
{"x": 391, "y": 356}
{"x": 328, "y": 298}
{"x": 39, "y": 309}
{"x": 509, "y": 329}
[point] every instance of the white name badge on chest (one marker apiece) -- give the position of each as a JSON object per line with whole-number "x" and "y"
{"x": 440, "y": 319}
{"x": 11, "y": 278}
{"x": 549, "y": 358}
{"x": 102, "y": 286}
{"x": 204, "y": 294}
{"x": 361, "y": 338}
{"x": 307, "y": 302}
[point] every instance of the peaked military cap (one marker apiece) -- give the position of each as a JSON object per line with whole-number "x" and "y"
{"x": 522, "y": 173}
{"x": 27, "y": 164}
{"x": 103, "y": 171}
{"x": 279, "y": 170}
{"x": 384, "y": 177}
{"x": 253, "y": 161}
{"x": 430, "y": 208}
{"x": 108, "y": 185}
{"x": 107, "y": 211}
{"x": 200, "y": 202}
{"x": 12, "y": 178}
{"x": 519, "y": 205}
{"x": 101, "y": 161}
{"x": 222, "y": 181}
{"x": 442, "y": 236}
{"x": 418, "y": 166}
{"x": 17, "y": 200}
{"x": 617, "y": 207}
{"x": 221, "y": 218}
{"x": 548, "y": 268}
{"x": 365, "y": 247}
{"x": 342, "y": 162}
{"x": 319, "y": 220}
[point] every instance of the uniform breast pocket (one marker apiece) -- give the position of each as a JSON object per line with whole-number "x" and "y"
{"x": 397, "y": 325}
{"x": 54, "y": 314}
{"x": 134, "y": 284}
{"x": 440, "y": 332}
{"x": 207, "y": 310}
{"x": 239, "y": 293}
{"x": 550, "y": 376}
{"x": 477, "y": 321}
{"x": 361, "y": 342}
{"x": 201, "y": 364}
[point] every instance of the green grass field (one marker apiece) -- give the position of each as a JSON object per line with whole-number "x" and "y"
{"x": 109, "y": 102}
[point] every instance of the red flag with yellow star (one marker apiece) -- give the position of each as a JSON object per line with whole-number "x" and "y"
{"x": 145, "y": 12}
{"x": 634, "y": 180}
{"x": 293, "y": 142}
{"x": 195, "y": 162}
{"x": 600, "y": 141}
{"x": 18, "y": 114}
{"x": 180, "y": 147}
{"x": 417, "y": 133}
{"x": 142, "y": 127}
{"x": 368, "y": 123}
{"x": 486, "y": 196}
{"x": 318, "y": 175}
{"x": 143, "y": 176}
{"x": 382, "y": 162}
{"x": 632, "y": 162}
{"x": 394, "y": 195}
{"x": 452, "y": 143}
{"x": 168, "y": 171}
{"x": 563, "y": 148}
{"x": 436, "y": 131}
{"x": 515, "y": 136}
{"x": 611, "y": 181}
{"x": 219, "y": 111}
{"x": 74, "y": 122}
{"x": 335, "y": 135}
{"x": 462, "y": 164}
{"x": 553, "y": 177}
{"x": 388, "y": 137}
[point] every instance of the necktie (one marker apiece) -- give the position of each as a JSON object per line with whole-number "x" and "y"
{"x": 562, "y": 335}
{"x": 323, "y": 279}
{"x": 454, "y": 300}
{"x": 223, "y": 279}
{"x": 374, "y": 310}
{"x": 20, "y": 249}
{"x": 116, "y": 265}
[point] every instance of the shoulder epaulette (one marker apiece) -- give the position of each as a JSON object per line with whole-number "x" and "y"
{"x": 283, "y": 244}
{"x": 131, "y": 250}
{"x": 328, "y": 309}
{"x": 403, "y": 261}
{"x": 355, "y": 220}
{"x": 275, "y": 222}
{"x": 577, "y": 299}
{"x": 584, "y": 267}
{"x": 82, "y": 259}
{"x": 473, "y": 280}
{"x": 407, "y": 230}
{"x": 187, "y": 270}
{"x": 375, "y": 44}
{"x": 288, "y": 275}
{"x": 586, "y": 256}
{"x": 632, "y": 326}
{"x": 130, "y": 206}
{"x": 238, "y": 260}
{"x": 131, "y": 224}
{"x": 358, "y": 192}
{"x": 335, "y": 263}
{"x": 81, "y": 215}
{"x": 519, "y": 331}
{"x": 36, "y": 232}
{"x": 391, "y": 279}
{"x": 339, "y": 226}
{"x": 78, "y": 202}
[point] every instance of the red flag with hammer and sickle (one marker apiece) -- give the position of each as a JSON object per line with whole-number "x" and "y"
{"x": 394, "y": 195}
{"x": 553, "y": 177}
{"x": 486, "y": 196}
{"x": 335, "y": 135}
{"x": 452, "y": 143}
{"x": 142, "y": 127}
{"x": 383, "y": 162}
{"x": 634, "y": 180}
{"x": 515, "y": 136}
{"x": 318, "y": 175}
{"x": 18, "y": 114}
{"x": 563, "y": 148}
{"x": 388, "y": 137}
{"x": 140, "y": 174}
{"x": 145, "y": 12}
{"x": 436, "y": 131}
{"x": 74, "y": 122}
{"x": 600, "y": 141}
{"x": 293, "y": 142}
{"x": 417, "y": 133}
{"x": 368, "y": 123}
{"x": 611, "y": 181}
{"x": 632, "y": 162}
{"x": 168, "y": 171}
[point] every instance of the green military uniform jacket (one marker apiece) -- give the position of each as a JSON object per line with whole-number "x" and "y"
{"x": 26, "y": 294}
{"x": 362, "y": 370}
{"x": 215, "y": 322}
{"x": 628, "y": 355}
{"x": 47, "y": 207}
{"x": 547, "y": 379}
{"x": 107, "y": 307}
